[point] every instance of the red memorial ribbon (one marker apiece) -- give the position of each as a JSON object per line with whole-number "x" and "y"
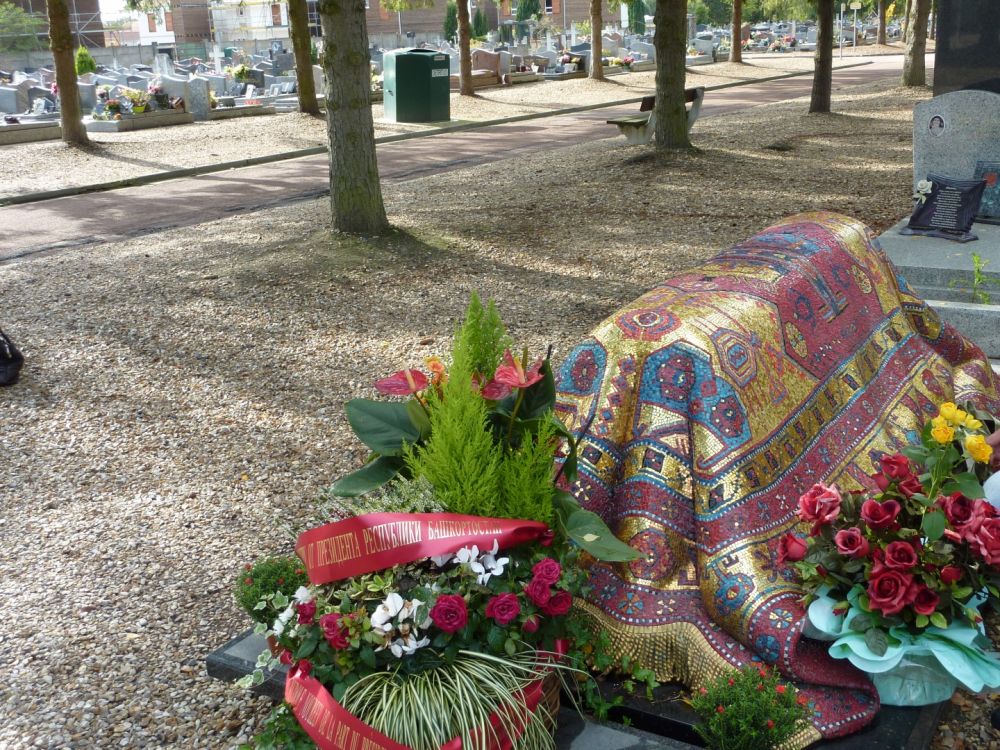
{"x": 376, "y": 541}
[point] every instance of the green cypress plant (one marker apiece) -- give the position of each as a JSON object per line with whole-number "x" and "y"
{"x": 85, "y": 62}
{"x": 480, "y": 25}
{"x": 451, "y": 21}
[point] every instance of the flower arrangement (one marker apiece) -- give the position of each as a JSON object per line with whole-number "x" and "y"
{"x": 627, "y": 62}
{"x": 257, "y": 586}
{"x": 138, "y": 98}
{"x": 896, "y": 577}
{"x": 748, "y": 710}
{"x": 240, "y": 72}
{"x": 159, "y": 95}
{"x": 113, "y": 106}
{"x": 565, "y": 59}
{"x": 470, "y": 588}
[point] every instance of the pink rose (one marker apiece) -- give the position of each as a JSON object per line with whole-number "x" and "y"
{"x": 950, "y": 574}
{"x": 851, "y": 543}
{"x": 791, "y": 548}
{"x": 900, "y": 556}
{"x": 560, "y": 603}
{"x": 926, "y": 601}
{"x": 988, "y": 540}
{"x": 547, "y": 571}
{"x": 890, "y": 591}
{"x": 879, "y": 515}
{"x": 503, "y": 608}
{"x": 531, "y": 624}
{"x": 538, "y": 591}
{"x": 821, "y": 505}
{"x": 896, "y": 468}
{"x": 450, "y": 613}
{"x": 334, "y": 631}
{"x": 306, "y": 612}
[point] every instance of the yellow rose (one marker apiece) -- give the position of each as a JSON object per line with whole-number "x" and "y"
{"x": 971, "y": 423}
{"x": 949, "y": 411}
{"x": 960, "y": 416}
{"x": 979, "y": 450}
{"x": 938, "y": 421}
{"x": 943, "y": 434}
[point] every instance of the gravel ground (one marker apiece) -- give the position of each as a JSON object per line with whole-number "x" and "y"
{"x": 183, "y": 397}
{"x": 49, "y": 165}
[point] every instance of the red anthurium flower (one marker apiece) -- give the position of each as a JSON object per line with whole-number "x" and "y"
{"x": 494, "y": 391}
{"x": 513, "y": 374}
{"x": 402, "y": 383}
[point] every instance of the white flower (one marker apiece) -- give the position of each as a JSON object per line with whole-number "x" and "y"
{"x": 923, "y": 190}
{"x": 489, "y": 565}
{"x": 441, "y": 560}
{"x": 303, "y": 595}
{"x": 467, "y": 555}
{"x": 383, "y": 614}
{"x": 410, "y": 609}
{"x": 408, "y": 645}
{"x": 279, "y": 625}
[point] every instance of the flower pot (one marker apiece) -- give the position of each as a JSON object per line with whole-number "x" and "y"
{"x": 274, "y": 646}
{"x": 138, "y": 109}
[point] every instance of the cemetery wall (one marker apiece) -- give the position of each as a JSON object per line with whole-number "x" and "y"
{"x": 431, "y": 20}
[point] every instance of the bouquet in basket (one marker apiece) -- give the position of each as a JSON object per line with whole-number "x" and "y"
{"x": 896, "y": 578}
{"x": 442, "y": 615}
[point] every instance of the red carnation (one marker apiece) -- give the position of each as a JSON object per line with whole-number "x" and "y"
{"x": 547, "y": 570}
{"x": 791, "y": 549}
{"x": 538, "y": 591}
{"x": 334, "y": 631}
{"x": 851, "y": 543}
{"x": 503, "y": 608}
{"x": 450, "y": 613}
{"x": 560, "y": 603}
{"x": 879, "y": 515}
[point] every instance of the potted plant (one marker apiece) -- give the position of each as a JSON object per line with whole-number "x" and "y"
{"x": 627, "y": 62}
{"x": 137, "y": 98}
{"x": 460, "y": 568}
{"x": 113, "y": 106}
{"x": 159, "y": 96}
{"x": 241, "y": 73}
{"x": 264, "y": 588}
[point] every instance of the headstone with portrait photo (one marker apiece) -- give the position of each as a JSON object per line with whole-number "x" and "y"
{"x": 954, "y": 132}
{"x": 945, "y": 208}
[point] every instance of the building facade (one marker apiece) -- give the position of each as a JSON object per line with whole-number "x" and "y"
{"x": 84, "y": 20}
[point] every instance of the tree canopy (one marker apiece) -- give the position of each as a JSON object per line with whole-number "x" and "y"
{"x": 19, "y": 30}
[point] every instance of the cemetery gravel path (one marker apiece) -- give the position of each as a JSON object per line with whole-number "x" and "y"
{"x": 47, "y": 226}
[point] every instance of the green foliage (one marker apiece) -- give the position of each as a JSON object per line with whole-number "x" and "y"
{"x": 451, "y": 21}
{"x": 281, "y": 731}
{"x": 528, "y": 9}
{"x": 85, "y": 62}
{"x": 526, "y": 477}
{"x": 313, "y": 52}
{"x": 714, "y": 12}
{"x": 481, "y": 339}
{"x": 267, "y": 576}
{"x": 747, "y": 710}
{"x": 19, "y": 30}
{"x": 637, "y": 16}
{"x": 979, "y": 281}
{"x": 480, "y": 24}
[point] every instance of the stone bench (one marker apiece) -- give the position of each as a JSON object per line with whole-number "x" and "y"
{"x": 639, "y": 129}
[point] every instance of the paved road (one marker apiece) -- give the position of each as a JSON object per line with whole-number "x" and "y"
{"x": 98, "y": 217}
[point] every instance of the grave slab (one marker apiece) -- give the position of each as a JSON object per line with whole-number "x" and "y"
{"x": 29, "y": 132}
{"x": 251, "y": 110}
{"x": 140, "y": 122}
{"x": 664, "y": 722}
{"x": 941, "y": 272}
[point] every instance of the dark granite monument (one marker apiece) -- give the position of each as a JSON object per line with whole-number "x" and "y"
{"x": 968, "y": 46}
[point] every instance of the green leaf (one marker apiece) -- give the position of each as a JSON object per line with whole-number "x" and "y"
{"x": 861, "y": 623}
{"x": 963, "y": 592}
{"x": 259, "y": 605}
{"x": 280, "y": 601}
{"x": 922, "y": 621}
{"x": 510, "y": 647}
{"x": 308, "y": 645}
{"x": 938, "y": 620}
{"x": 915, "y": 453}
{"x": 369, "y": 477}
{"x": 496, "y": 637}
{"x": 933, "y": 525}
{"x": 367, "y": 656}
{"x": 877, "y": 641}
{"x": 384, "y": 426}
{"x": 419, "y": 418}
{"x": 592, "y": 534}
{"x": 260, "y": 628}
{"x": 969, "y": 486}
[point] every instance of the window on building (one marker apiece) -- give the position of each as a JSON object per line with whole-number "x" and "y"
{"x": 548, "y": 7}
{"x": 151, "y": 22}
{"x": 276, "y": 14}
{"x": 513, "y": 7}
{"x": 168, "y": 20}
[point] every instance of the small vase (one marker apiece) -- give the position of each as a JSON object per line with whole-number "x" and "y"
{"x": 138, "y": 109}
{"x": 274, "y": 646}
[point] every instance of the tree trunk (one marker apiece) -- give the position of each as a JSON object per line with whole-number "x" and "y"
{"x": 905, "y": 35}
{"x": 736, "y": 47}
{"x": 596, "y": 37}
{"x": 934, "y": 16}
{"x": 355, "y": 192}
{"x": 298, "y": 23}
{"x": 823, "y": 75}
{"x": 464, "y": 51}
{"x": 880, "y": 37}
{"x": 61, "y": 43}
{"x": 914, "y": 73}
{"x": 670, "y": 41}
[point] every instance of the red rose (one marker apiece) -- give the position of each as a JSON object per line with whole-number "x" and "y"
{"x": 503, "y": 608}
{"x": 988, "y": 540}
{"x": 538, "y": 591}
{"x": 334, "y": 631}
{"x": 958, "y": 508}
{"x": 895, "y": 468}
{"x": 306, "y": 612}
{"x": 890, "y": 591}
{"x": 560, "y": 603}
{"x": 851, "y": 542}
{"x": 547, "y": 571}
{"x": 285, "y": 657}
{"x": 449, "y": 613}
{"x": 791, "y": 549}
{"x": 926, "y": 601}
{"x": 531, "y": 624}
{"x": 910, "y": 486}
{"x": 900, "y": 556}
{"x": 950, "y": 574}
{"x": 879, "y": 515}
{"x": 821, "y": 505}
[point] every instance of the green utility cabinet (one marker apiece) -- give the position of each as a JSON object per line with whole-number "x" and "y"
{"x": 415, "y": 86}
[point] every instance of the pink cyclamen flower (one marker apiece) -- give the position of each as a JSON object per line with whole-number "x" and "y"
{"x": 512, "y": 373}
{"x": 402, "y": 383}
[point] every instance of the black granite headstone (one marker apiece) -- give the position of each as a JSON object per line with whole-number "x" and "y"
{"x": 948, "y": 210}
{"x": 968, "y": 46}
